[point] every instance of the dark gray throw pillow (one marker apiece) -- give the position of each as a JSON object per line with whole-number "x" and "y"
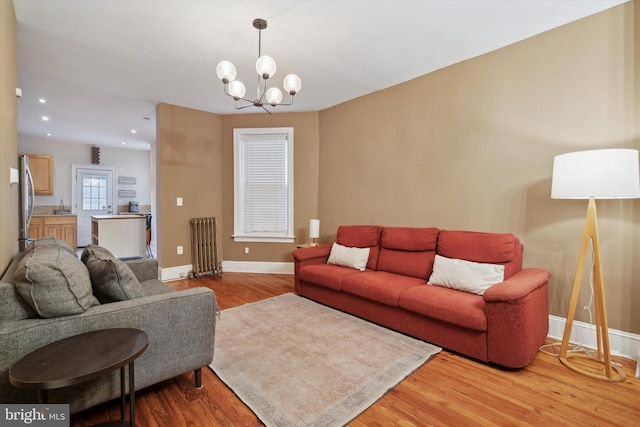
{"x": 112, "y": 279}
{"x": 90, "y": 250}
{"x": 54, "y": 282}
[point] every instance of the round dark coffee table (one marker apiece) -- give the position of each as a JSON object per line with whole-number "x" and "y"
{"x": 81, "y": 358}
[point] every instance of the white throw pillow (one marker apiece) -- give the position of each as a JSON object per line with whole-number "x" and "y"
{"x": 467, "y": 276}
{"x": 349, "y": 257}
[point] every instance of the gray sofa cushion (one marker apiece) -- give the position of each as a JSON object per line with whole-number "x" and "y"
{"x": 112, "y": 279}
{"x": 54, "y": 282}
{"x": 12, "y": 306}
{"x": 49, "y": 242}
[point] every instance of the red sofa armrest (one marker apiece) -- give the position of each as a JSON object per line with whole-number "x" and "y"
{"x": 517, "y": 317}
{"x": 312, "y": 255}
{"x": 518, "y": 285}
{"x": 309, "y": 256}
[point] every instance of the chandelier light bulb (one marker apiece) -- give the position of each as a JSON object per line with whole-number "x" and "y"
{"x": 266, "y": 66}
{"x": 226, "y": 71}
{"x": 236, "y": 89}
{"x": 274, "y": 96}
{"x": 292, "y": 84}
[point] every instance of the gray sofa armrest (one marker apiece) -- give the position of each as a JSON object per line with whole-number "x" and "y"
{"x": 181, "y": 329}
{"x": 144, "y": 269}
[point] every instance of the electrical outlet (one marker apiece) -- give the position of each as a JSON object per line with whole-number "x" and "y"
{"x": 180, "y": 250}
{"x": 246, "y": 250}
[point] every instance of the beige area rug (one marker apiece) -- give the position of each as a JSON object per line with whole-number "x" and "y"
{"x": 298, "y": 363}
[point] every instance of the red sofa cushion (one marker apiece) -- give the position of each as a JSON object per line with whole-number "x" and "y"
{"x": 361, "y": 236}
{"x": 447, "y": 305}
{"x": 408, "y": 251}
{"x": 327, "y": 275}
{"x": 379, "y": 286}
{"x": 492, "y": 248}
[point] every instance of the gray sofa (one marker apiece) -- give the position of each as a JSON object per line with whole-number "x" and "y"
{"x": 180, "y": 326}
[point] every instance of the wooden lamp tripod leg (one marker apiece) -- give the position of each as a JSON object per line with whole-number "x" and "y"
{"x": 602, "y": 332}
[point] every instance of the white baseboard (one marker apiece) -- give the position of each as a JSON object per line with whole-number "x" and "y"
{"x": 621, "y": 343}
{"x": 175, "y": 273}
{"x": 258, "y": 267}
{"x": 182, "y": 271}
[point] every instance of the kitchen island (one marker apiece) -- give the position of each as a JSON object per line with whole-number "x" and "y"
{"x": 123, "y": 235}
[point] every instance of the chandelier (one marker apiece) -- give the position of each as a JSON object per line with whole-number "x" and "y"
{"x": 266, "y": 68}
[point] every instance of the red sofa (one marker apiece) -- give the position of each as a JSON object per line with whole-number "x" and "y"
{"x": 505, "y": 325}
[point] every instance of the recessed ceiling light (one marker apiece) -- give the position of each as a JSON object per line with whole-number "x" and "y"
{"x": 124, "y": 143}
{"x": 48, "y": 133}
{"x": 45, "y": 118}
{"x": 133, "y": 131}
{"x": 42, "y": 101}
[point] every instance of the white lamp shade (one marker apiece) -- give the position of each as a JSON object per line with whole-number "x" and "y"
{"x": 292, "y": 84}
{"x": 274, "y": 96}
{"x": 314, "y": 228}
{"x": 226, "y": 71}
{"x": 601, "y": 174}
{"x": 266, "y": 66}
{"x": 236, "y": 89}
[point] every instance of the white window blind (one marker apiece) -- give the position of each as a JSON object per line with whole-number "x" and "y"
{"x": 263, "y": 184}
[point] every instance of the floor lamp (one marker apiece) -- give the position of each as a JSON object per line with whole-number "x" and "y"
{"x": 594, "y": 174}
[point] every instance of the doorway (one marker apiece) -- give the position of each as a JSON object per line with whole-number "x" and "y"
{"x": 93, "y": 194}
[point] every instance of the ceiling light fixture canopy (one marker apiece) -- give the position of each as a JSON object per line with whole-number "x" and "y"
{"x": 266, "y": 68}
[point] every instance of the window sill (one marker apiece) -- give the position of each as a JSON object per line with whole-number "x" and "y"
{"x": 264, "y": 239}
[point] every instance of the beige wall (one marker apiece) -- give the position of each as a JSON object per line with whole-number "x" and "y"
{"x": 194, "y": 151}
{"x": 188, "y": 159}
{"x": 472, "y": 146}
{"x": 634, "y": 283}
{"x": 8, "y": 134}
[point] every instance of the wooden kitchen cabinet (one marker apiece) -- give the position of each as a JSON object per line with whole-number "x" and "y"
{"x": 42, "y": 171}
{"x": 35, "y": 227}
{"x": 63, "y": 227}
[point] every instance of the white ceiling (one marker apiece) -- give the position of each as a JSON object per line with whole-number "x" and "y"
{"x": 103, "y": 65}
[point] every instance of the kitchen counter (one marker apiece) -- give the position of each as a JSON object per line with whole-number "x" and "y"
{"x": 123, "y": 235}
{"x": 128, "y": 216}
{"x": 134, "y": 213}
{"x": 53, "y": 214}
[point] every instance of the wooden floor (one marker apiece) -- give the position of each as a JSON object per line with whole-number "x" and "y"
{"x": 449, "y": 390}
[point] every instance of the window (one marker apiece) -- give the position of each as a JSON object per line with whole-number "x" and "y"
{"x": 94, "y": 192}
{"x": 263, "y": 185}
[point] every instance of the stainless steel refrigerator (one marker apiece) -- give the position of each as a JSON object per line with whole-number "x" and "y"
{"x": 26, "y": 200}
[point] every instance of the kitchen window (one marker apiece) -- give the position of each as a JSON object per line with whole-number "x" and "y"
{"x": 263, "y": 185}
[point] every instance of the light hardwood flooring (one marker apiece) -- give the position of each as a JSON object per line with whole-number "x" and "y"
{"x": 449, "y": 390}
